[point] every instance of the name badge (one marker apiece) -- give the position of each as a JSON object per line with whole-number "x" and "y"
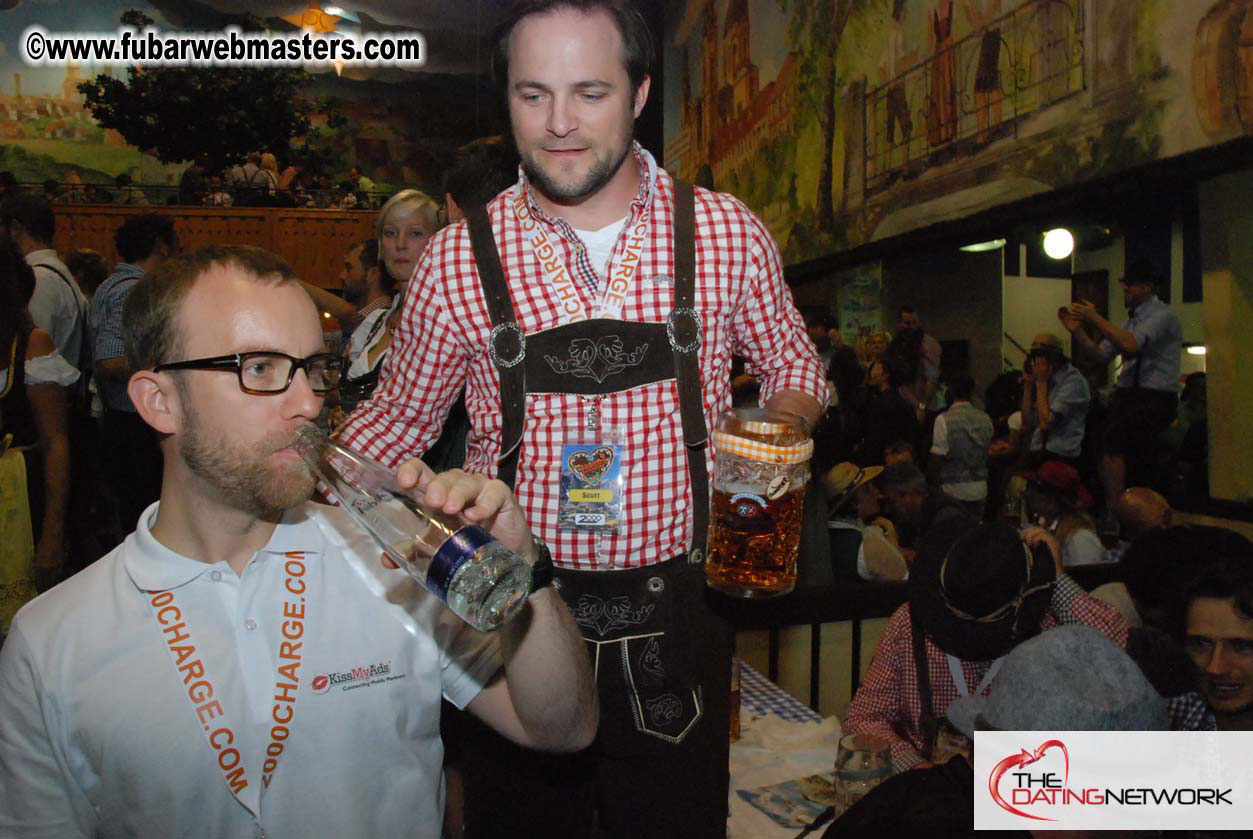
{"x": 592, "y": 483}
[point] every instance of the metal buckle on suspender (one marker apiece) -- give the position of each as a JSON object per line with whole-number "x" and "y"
{"x": 673, "y": 327}
{"x": 498, "y": 333}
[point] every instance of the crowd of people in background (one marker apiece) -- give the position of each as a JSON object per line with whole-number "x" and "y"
{"x": 986, "y": 507}
{"x": 256, "y": 181}
{"x": 983, "y": 508}
{"x": 1043, "y": 446}
{"x": 90, "y": 465}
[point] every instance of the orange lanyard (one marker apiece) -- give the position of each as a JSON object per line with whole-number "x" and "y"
{"x": 201, "y": 692}
{"x": 547, "y": 252}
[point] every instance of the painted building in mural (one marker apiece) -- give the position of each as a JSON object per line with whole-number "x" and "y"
{"x": 936, "y": 109}
{"x": 725, "y": 126}
{"x": 44, "y": 116}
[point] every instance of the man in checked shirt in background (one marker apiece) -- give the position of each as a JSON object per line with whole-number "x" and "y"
{"x": 976, "y": 591}
{"x": 626, "y": 355}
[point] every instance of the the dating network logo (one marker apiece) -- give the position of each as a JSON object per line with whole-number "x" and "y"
{"x": 1040, "y": 780}
{"x": 1113, "y": 780}
{"x": 1023, "y": 779}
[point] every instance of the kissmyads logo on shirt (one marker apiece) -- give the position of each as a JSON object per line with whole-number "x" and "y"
{"x": 360, "y": 676}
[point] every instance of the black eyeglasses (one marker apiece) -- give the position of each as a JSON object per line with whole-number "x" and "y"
{"x": 268, "y": 372}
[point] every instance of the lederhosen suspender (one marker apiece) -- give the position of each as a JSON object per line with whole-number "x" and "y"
{"x": 625, "y": 355}
{"x": 928, "y": 722}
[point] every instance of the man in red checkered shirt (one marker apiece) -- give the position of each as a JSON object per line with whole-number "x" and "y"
{"x": 598, "y": 349}
{"x": 975, "y": 591}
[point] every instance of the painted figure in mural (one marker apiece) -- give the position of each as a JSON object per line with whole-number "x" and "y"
{"x": 942, "y": 110}
{"x": 1049, "y": 64}
{"x": 985, "y": 15}
{"x": 895, "y": 60}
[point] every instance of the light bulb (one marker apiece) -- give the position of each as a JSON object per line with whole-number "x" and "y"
{"x": 1059, "y": 243}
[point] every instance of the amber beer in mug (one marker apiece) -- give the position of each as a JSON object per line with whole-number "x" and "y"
{"x": 754, "y": 542}
{"x": 761, "y": 466}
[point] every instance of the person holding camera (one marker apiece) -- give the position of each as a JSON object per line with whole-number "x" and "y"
{"x": 1145, "y": 396}
{"x": 1055, "y": 400}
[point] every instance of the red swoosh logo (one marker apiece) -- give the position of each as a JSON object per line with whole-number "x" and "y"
{"x": 1024, "y": 758}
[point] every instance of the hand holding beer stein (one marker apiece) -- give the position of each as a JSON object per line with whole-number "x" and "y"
{"x": 761, "y": 467}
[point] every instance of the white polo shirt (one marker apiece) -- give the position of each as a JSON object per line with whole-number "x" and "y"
{"x": 99, "y": 735}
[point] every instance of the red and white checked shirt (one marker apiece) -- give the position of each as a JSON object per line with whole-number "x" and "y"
{"x": 441, "y": 343}
{"x": 888, "y": 703}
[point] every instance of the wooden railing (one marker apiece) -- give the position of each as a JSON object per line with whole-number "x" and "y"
{"x": 313, "y": 241}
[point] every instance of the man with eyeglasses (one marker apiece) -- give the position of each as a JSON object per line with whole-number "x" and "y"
{"x": 242, "y": 665}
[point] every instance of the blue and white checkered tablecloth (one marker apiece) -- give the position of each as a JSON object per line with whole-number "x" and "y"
{"x": 761, "y": 696}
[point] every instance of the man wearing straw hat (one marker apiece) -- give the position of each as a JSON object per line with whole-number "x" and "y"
{"x": 1055, "y": 400}
{"x": 863, "y": 543}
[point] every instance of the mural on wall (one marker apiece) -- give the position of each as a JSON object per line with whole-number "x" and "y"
{"x": 399, "y": 126}
{"x": 842, "y": 122}
{"x": 860, "y": 300}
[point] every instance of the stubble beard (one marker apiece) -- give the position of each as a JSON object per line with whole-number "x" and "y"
{"x": 244, "y": 477}
{"x": 602, "y": 171}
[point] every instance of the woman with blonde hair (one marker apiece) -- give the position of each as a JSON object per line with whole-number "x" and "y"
{"x": 872, "y": 347}
{"x": 268, "y": 175}
{"x": 404, "y": 226}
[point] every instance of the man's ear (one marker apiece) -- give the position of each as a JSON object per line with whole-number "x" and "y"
{"x": 454, "y": 210}
{"x": 641, "y": 95}
{"x": 155, "y": 399}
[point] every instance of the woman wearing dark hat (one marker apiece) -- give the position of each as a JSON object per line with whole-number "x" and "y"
{"x": 976, "y": 590}
{"x": 1057, "y": 501}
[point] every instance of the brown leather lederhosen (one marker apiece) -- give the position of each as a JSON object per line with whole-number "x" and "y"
{"x": 625, "y": 611}
{"x": 530, "y": 363}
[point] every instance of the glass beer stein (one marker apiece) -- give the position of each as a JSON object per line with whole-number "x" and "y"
{"x": 761, "y": 466}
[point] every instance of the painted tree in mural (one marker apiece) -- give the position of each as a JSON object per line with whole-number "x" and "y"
{"x": 219, "y": 113}
{"x": 814, "y": 33}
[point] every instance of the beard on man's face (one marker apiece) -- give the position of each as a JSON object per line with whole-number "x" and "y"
{"x": 245, "y": 476}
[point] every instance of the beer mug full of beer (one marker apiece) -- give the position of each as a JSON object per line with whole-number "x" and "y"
{"x": 761, "y": 466}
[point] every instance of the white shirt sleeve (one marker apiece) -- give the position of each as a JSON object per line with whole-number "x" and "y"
{"x": 50, "y": 369}
{"x": 38, "y": 797}
{"x": 939, "y": 437}
{"x": 45, "y": 304}
{"x": 1083, "y": 547}
{"x": 879, "y": 559}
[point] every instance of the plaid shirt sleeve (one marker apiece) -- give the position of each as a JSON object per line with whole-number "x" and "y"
{"x": 879, "y": 707}
{"x": 1189, "y": 712}
{"x": 422, "y": 374}
{"x": 1072, "y": 604}
{"x": 107, "y": 326}
{"x": 767, "y": 329}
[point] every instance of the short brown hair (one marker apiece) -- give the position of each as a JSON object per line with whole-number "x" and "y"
{"x": 637, "y": 40}
{"x": 149, "y": 327}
